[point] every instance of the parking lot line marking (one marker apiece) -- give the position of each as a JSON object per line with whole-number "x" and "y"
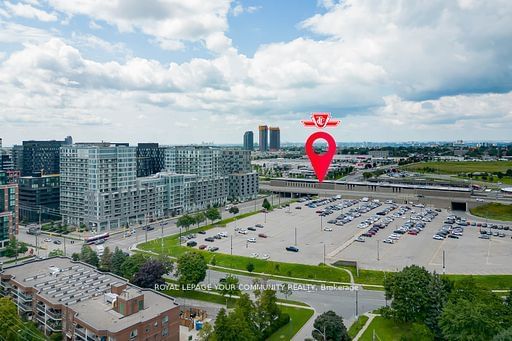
{"x": 435, "y": 254}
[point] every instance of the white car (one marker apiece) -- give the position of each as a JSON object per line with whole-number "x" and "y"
{"x": 242, "y": 231}
{"x": 437, "y": 237}
{"x": 48, "y": 240}
{"x": 327, "y": 229}
{"x": 251, "y": 240}
{"x": 254, "y": 255}
{"x": 265, "y": 256}
{"x": 479, "y": 199}
{"x": 223, "y": 234}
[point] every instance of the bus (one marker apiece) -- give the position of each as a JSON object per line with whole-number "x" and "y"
{"x": 91, "y": 240}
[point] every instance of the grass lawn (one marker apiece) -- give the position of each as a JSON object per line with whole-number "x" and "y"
{"x": 385, "y": 329}
{"x": 357, "y": 326}
{"x": 491, "y": 282}
{"x": 495, "y": 211}
{"x": 298, "y": 317}
{"x": 455, "y": 167}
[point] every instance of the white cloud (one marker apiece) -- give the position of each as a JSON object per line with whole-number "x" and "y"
{"x": 16, "y": 33}
{"x": 169, "y": 21}
{"x": 238, "y": 9}
{"x": 30, "y": 12}
{"x": 94, "y": 25}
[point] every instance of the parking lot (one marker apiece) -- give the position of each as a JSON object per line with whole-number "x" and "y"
{"x": 378, "y": 235}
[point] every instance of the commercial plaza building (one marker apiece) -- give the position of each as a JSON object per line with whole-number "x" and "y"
{"x": 82, "y": 303}
{"x": 99, "y": 186}
{"x": 8, "y": 210}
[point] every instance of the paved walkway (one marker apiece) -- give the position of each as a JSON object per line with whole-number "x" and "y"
{"x": 366, "y": 325}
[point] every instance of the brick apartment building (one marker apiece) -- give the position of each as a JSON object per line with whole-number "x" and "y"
{"x": 82, "y": 303}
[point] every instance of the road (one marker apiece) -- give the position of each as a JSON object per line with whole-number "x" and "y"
{"x": 117, "y": 239}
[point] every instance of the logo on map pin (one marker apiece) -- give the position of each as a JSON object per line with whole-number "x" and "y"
{"x": 320, "y": 162}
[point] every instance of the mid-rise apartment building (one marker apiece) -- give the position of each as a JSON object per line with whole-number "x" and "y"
{"x": 8, "y": 210}
{"x": 89, "y": 171}
{"x": 81, "y": 303}
{"x": 39, "y": 197}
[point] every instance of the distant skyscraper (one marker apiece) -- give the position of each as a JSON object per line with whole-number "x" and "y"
{"x": 275, "y": 138}
{"x": 248, "y": 140}
{"x": 150, "y": 159}
{"x": 263, "y": 141}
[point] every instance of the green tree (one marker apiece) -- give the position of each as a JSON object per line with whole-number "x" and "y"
{"x": 75, "y": 256}
{"x": 267, "y": 309}
{"x": 331, "y": 325}
{"x": 131, "y": 265}
{"x": 106, "y": 259}
{"x": 199, "y": 218}
{"x": 89, "y": 256}
{"x": 191, "y": 268}
{"x": 505, "y": 335}
{"x": 118, "y": 258}
{"x": 14, "y": 248}
{"x": 150, "y": 274}
{"x": 266, "y": 205}
{"x": 473, "y": 313}
{"x": 56, "y": 253}
{"x": 185, "y": 221}
{"x": 234, "y": 210}
{"x": 213, "y": 214}
{"x": 250, "y": 267}
{"x": 230, "y": 287}
{"x": 406, "y": 289}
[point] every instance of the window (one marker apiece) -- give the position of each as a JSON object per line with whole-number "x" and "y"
{"x": 133, "y": 333}
{"x": 165, "y": 331}
{"x": 165, "y": 319}
{"x": 141, "y": 305}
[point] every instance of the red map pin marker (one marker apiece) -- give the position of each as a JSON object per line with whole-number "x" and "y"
{"x": 320, "y": 162}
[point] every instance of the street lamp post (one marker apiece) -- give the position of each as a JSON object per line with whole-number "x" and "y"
{"x": 378, "y": 254}
{"x": 357, "y": 302}
{"x": 295, "y": 234}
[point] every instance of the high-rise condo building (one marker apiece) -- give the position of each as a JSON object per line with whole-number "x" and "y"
{"x": 275, "y": 138}
{"x": 39, "y": 197}
{"x": 249, "y": 140}
{"x": 150, "y": 159}
{"x": 263, "y": 138}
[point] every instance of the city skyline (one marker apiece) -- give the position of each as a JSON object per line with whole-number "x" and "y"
{"x": 431, "y": 71}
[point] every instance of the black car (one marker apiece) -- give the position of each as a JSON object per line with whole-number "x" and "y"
{"x": 148, "y": 228}
{"x": 453, "y": 236}
{"x": 217, "y": 236}
{"x": 58, "y": 242}
{"x": 292, "y": 249}
{"x": 191, "y": 243}
{"x": 251, "y": 228}
{"x": 201, "y": 232}
{"x": 209, "y": 239}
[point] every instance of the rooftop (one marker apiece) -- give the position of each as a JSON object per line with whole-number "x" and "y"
{"x": 60, "y": 280}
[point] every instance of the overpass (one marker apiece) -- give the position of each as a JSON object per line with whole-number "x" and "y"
{"x": 453, "y": 198}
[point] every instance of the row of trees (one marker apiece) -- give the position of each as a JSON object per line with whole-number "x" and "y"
{"x": 441, "y": 309}
{"x": 187, "y": 220}
{"x": 14, "y": 248}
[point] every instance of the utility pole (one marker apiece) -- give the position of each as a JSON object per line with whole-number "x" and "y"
{"x": 378, "y": 255}
{"x": 64, "y": 244}
{"x": 295, "y": 236}
{"x": 231, "y": 241}
{"x": 324, "y": 253}
{"x": 37, "y": 232}
{"x": 146, "y": 226}
{"x": 162, "y": 236}
{"x": 444, "y": 263}
{"x": 357, "y": 301}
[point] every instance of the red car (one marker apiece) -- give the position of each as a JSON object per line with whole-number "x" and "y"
{"x": 202, "y": 247}
{"x": 413, "y": 233}
{"x": 262, "y": 235}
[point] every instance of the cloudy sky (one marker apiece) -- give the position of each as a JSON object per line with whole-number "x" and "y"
{"x": 174, "y": 71}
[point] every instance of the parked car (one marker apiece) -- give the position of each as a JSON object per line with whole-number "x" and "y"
{"x": 292, "y": 248}
{"x": 191, "y": 243}
{"x": 259, "y": 226}
{"x": 438, "y": 237}
{"x": 262, "y": 235}
{"x": 251, "y": 240}
{"x": 201, "y": 232}
{"x": 328, "y": 229}
{"x": 242, "y": 231}
{"x": 265, "y": 256}
{"x": 209, "y": 239}
{"x": 58, "y": 242}
{"x": 202, "y": 247}
{"x": 251, "y": 228}
{"x": 213, "y": 248}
